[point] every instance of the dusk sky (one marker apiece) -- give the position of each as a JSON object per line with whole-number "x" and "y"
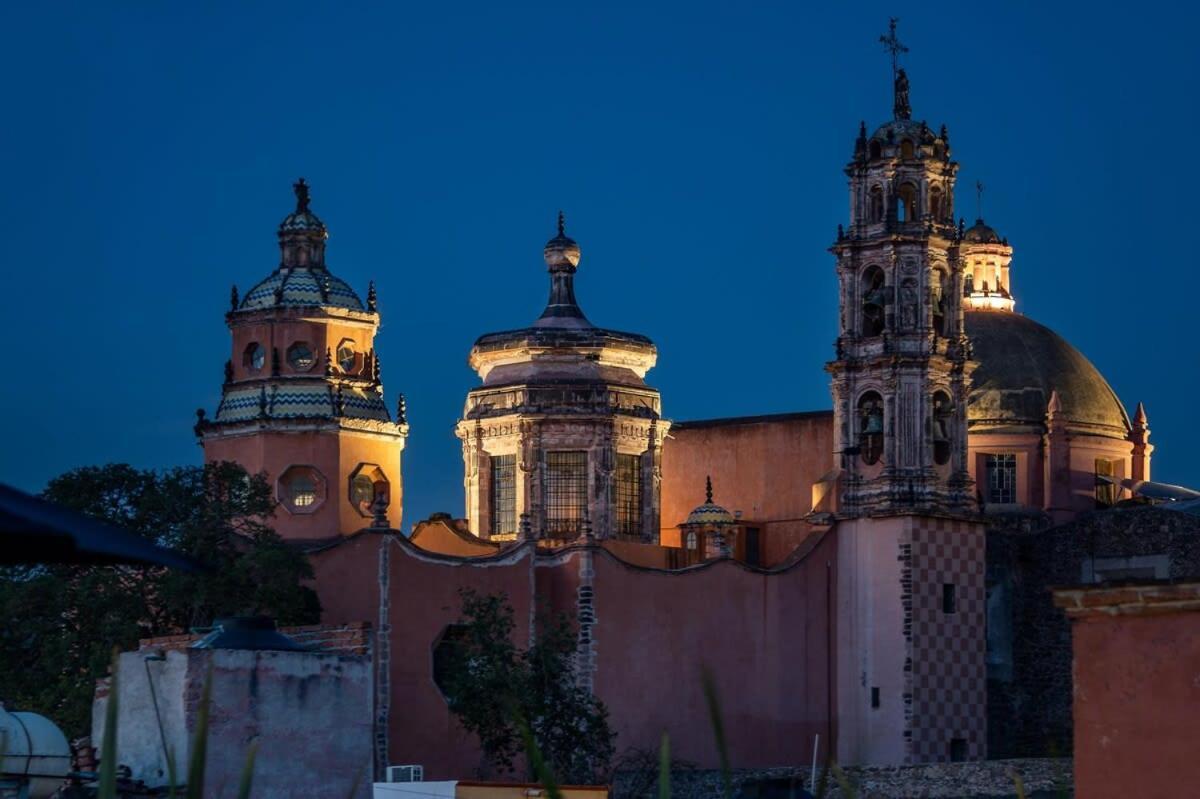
{"x": 148, "y": 153}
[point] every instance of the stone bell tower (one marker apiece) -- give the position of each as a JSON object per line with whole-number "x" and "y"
{"x": 911, "y": 683}
{"x": 303, "y": 398}
{"x": 902, "y": 373}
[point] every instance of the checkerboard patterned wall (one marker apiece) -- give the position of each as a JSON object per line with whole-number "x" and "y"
{"x": 947, "y": 670}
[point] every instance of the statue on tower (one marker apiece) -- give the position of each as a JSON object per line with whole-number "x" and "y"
{"x": 901, "y": 109}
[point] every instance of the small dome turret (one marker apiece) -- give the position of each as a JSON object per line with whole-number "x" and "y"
{"x": 561, "y": 252}
{"x": 302, "y": 278}
{"x": 982, "y": 233}
{"x": 710, "y": 512}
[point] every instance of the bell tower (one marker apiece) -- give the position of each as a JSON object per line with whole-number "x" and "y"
{"x": 911, "y": 672}
{"x": 902, "y": 371}
{"x": 303, "y": 399}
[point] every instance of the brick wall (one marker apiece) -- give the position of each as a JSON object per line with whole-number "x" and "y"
{"x": 343, "y": 639}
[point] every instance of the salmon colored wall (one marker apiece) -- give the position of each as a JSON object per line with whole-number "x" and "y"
{"x": 1137, "y": 688}
{"x": 319, "y": 333}
{"x": 335, "y": 454}
{"x": 764, "y": 467}
{"x": 436, "y": 536}
{"x": 424, "y": 599}
{"x": 765, "y": 638}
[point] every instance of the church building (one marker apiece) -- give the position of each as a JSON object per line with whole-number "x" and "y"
{"x": 829, "y": 568}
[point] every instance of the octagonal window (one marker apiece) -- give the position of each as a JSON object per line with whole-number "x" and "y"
{"x": 367, "y": 483}
{"x": 254, "y": 356}
{"x": 301, "y": 489}
{"x": 347, "y": 358}
{"x": 300, "y": 356}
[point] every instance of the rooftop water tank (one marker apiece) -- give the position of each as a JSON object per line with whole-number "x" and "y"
{"x": 33, "y": 753}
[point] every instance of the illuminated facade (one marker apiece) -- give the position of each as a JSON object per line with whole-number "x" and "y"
{"x": 564, "y": 428}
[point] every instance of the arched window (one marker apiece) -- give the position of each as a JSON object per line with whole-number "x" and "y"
{"x": 874, "y": 301}
{"x": 870, "y": 427}
{"x": 906, "y": 203}
{"x": 691, "y": 540}
{"x": 942, "y": 425}
{"x": 875, "y": 203}
{"x": 875, "y": 150}
{"x": 935, "y": 203}
{"x": 906, "y": 149}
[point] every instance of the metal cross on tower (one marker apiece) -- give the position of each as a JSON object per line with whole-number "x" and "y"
{"x": 893, "y": 45}
{"x": 979, "y": 200}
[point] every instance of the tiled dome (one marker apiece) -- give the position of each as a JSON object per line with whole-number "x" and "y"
{"x": 301, "y": 286}
{"x": 710, "y": 512}
{"x": 980, "y": 233}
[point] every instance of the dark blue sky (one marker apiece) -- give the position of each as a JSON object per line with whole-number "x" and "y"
{"x": 148, "y": 154}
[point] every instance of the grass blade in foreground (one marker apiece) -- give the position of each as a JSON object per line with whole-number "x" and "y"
{"x": 195, "y": 783}
{"x": 664, "y": 768}
{"x": 541, "y": 771}
{"x": 714, "y": 714}
{"x": 248, "y": 772}
{"x": 108, "y": 761}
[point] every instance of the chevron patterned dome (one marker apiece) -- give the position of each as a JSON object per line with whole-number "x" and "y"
{"x": 300, "y": 286}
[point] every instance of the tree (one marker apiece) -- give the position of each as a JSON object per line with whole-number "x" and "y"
{"x": 494, "y": 688}
{"x": 63, "y": 620}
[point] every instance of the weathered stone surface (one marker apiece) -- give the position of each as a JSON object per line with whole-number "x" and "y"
{"x": 990, "y": 779}
{"x": 1029, "y": 696}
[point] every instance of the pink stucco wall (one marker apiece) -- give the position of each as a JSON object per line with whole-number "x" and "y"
{"x": 763, "y": 466}
{"x": 764, "y": 636}
{"x": 1137, "y": 687}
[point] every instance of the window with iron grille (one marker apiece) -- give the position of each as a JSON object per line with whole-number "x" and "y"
{"x": 504, "y": 494}
{"x": 566, "y": 485}
{"x": 628, "y": 499}
{"x": 1002, "y": 479}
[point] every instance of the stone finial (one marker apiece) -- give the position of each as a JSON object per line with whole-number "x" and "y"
{"x": 372, "y": 298}
{"x": 1054, "y": 411}
{"x": 262, "y": 401}
{"x": 228, "y": 372}
{"x": 562, "y": 223}
{"x": 525, "y": 528}
{"x": 1139, "y": 418}
{"x": 328, "y": 362}
{"x": 708, "y": 489}
{"x": 326, "y": 287}
{"x": 841, "y": 233}
{"x": 201, "y": 422}
{"x": 275, "y": 362}
{"x": 401, "y": 410}
{"x": 301, "y": 189}
{"x": 376, "y": 372}
{"x": 233, "y": 298}
{"x": 944, "y": 134}
{"x": 339, "y": 402}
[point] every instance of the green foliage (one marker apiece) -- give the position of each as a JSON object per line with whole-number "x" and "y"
{"x": 498, "y": 690}
{"x": 63, "y": 620}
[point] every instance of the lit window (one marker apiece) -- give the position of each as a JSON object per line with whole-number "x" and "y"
{"x": 346, "y": 357}
{"x": 566, "y": 487}
{"x": 1106, "y": 488}
{"x": 504, "y": 494}
{"x": 1002, "y": 479}
{"x": 691, "y": 540}
{"x": 254, "y": 357}
{"x": 300, "y": 357}
{"x": 629, "y": 495}
{"x": 303, "y": 491}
